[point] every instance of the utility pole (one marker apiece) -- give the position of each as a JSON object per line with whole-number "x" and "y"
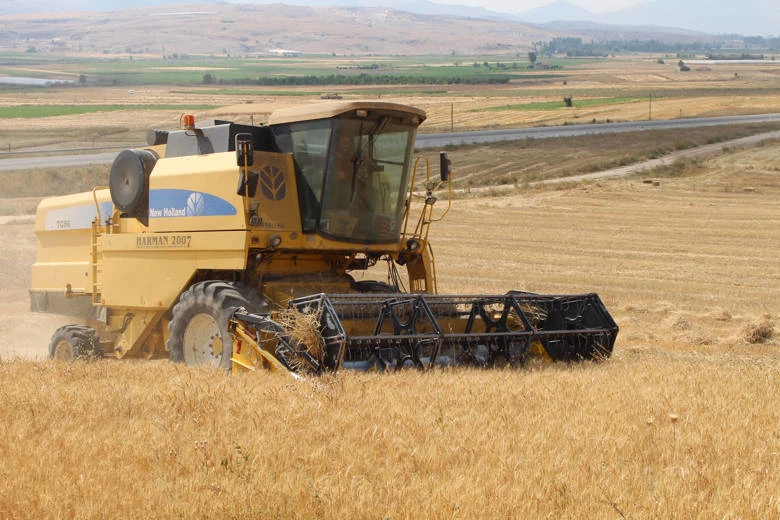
{"x": 650, "y": 109}
{"x": 452, "y": 117}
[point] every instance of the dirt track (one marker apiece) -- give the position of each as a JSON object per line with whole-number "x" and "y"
{"x": 702, "y": 152}
{"x": 708, "y": 150}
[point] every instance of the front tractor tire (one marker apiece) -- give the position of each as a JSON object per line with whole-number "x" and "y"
{"x": 73, "y": 342}
{"x": 199, "y": 326}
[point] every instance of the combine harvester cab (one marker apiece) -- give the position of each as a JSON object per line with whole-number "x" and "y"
{"x": 214, "y": 244}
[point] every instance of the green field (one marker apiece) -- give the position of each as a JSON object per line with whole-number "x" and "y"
{"x": 31, "y": 111}
{"x": 186, "y": 69}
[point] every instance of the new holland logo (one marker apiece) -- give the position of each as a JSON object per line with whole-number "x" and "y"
{"x": 272, "y": 183}
{"x": 195, "y": 205}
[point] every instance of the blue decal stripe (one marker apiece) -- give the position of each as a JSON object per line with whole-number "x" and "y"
{"x": 166, "y": 203}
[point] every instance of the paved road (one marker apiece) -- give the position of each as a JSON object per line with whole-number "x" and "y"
{"x": 55, "y": 161}
{"x": 19, "y": 161}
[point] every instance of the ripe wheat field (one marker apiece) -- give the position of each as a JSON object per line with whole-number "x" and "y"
{"x": 681, "y": 422}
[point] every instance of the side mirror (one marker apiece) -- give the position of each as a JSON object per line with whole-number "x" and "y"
{"x": 247, "y": 180}
{"x": 445, "y": 166}
{"x": 244, "y": 150}
{"x": 247, "y": 184}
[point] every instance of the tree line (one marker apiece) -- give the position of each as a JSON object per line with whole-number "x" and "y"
{"x": 576, "y": 47}
{"x": 358, "y": 79}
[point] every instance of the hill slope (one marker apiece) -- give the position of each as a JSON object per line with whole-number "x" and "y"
{"x": 748, "y": 17}
{"x": 249, "y": 29}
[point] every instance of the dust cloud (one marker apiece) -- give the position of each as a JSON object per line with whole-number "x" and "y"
{"x": 23, "y": 334}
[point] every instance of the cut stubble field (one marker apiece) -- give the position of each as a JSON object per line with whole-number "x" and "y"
{"x": 680, "y": 422}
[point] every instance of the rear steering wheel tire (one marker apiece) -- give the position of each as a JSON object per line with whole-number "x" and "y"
{"x": 199, "y": 326}
{"x": 73, "y": 342}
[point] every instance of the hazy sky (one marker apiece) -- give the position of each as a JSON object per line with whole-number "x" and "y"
{"x": 513, "y": 6}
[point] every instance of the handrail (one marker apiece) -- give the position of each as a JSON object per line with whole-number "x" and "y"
{"x": 97, "y": 204}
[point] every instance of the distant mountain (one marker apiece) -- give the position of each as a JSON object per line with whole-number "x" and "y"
{"x": 559, "y": 10}
{"x": 261, "y": 30}
{"x": 412, "y": 6}
{"x": 65, "y": 6}
{"x": 746, "y": 17}
{"x": 605, "y": 32}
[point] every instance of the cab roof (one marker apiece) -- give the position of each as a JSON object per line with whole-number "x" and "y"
{"x": 330, "y": 109}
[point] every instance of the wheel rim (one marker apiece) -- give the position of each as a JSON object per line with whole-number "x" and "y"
{"x": 63, "y": 351}
{"x": 203, "y": 341}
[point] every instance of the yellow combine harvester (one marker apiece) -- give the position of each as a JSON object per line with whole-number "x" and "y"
{"x": 215, "y": 243}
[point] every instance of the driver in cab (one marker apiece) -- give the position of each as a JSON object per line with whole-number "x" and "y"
{"x": 357, "y": 197}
